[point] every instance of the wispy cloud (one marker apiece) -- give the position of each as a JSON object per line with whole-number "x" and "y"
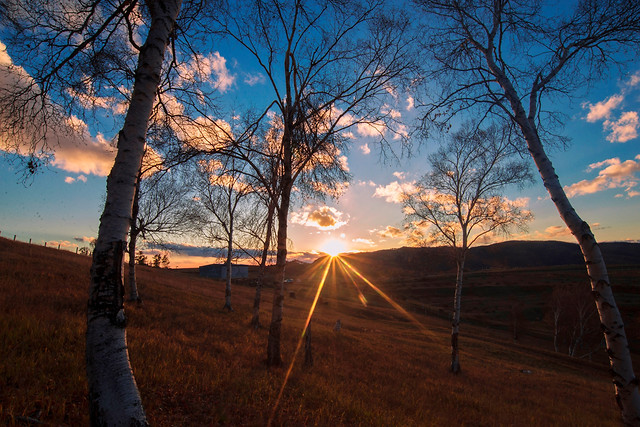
{"x": 71, "y": 180}
{"x": 254, "y": 79}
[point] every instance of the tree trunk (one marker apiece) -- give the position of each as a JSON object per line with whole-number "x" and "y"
{"x": 556, "y": 329}
{"x": 455, "y": 320}
{"x": 113, "y": 394}
{"x": 227, "y": 289}
{"x": 255, "y": 320}
{"x": 133, "y": 237}
{"x": 275, "y": 328}
{"x": 624, "y": 380}
{"x": 308, "y": 351}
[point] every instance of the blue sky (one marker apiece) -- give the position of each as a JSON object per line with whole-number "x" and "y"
{"x": 600, "y": 171}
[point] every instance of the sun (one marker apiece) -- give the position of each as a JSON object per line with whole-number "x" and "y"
{"x": 333, "y": 247}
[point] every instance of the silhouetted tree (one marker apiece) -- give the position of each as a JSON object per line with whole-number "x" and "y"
{"x": 459, "y": 201}
{"x": 511, "y": 59}
{"x": 331, "y": 66}
{"x": 223, "y": 194}
{"x": 73, "y": 55}
{"x": 163, "y": 206}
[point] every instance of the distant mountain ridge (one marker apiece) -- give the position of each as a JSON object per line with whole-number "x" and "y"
{"x": 510, "y": 254}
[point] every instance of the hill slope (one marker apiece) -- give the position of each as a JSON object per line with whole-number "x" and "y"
{"x": 408, "y": 261}
{"x": 198, "y": 365}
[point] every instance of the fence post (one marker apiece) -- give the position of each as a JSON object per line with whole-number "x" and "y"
{"x": 14, "y": 237}
{"x": 58, "y": 246}
{"x": 76, "y": 249}
{"x": 29, "y": 241}
{"x": 45, "y": 244}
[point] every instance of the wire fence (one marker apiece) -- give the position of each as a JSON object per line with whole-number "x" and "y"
{"x": 60, "y": 245}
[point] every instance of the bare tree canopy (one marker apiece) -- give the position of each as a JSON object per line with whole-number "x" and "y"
{"x": 330, "y": 67}
{"x": 512, "y": 59}
{"x": 459, "y": 201}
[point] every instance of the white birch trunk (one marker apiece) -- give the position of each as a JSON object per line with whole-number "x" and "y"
{"x": 227, "y": 289}
{"x": 133, "y": 237}
{"x": 113, "y": 394}
{"x": 255, "y": 320}
{"x": 624, "y": 379}
{"x": 455, "y": 320}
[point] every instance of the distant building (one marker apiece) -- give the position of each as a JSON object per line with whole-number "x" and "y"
{"x": 219, "y": 271}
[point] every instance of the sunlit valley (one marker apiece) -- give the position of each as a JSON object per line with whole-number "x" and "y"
{"x": 319, "y": 212}
{"x": 197, "y": 364}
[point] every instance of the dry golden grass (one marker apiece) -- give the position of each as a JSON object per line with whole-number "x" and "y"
{"x": 196, "y": 364}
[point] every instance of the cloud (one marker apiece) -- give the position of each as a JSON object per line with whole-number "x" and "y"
{"x": 366, "y": 242}
{"x": 410, "y": 103}
{"x": 615, "y": 174}
{"x": 400, "y": 175}
{"x": 84, "y": 239}
{"x": 392, "y": 193}
{"x": 602, "y": 110}
{"x": 634, "y": 79}
{"x": 211, "y": 68}
{"x": 365, "y": 148}
{"x": 371, "y": 129}
{"x": 71, "y": 180}
{"x": 390, "y": 232}
{"x": 554, "y": 232}
{"x": 323, "y": 218}
{"x": 254, "y": 79}
{"x": 624, "y": 129}
{"x": 72, "y": 146}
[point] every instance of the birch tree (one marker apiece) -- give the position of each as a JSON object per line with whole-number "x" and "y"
{"x": 162, "y": 206}
{"x": 331, "y": 67}
{"x": 511, "y": 59}
{"x": 460, "y": 200}
{"x": 69, "y": 52}
{"x": 223, "y": 194}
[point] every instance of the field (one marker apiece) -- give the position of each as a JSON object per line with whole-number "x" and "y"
{"x": 196, "y": 364}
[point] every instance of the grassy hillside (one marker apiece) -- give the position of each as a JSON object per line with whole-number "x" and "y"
{"x": 198, "y": 365}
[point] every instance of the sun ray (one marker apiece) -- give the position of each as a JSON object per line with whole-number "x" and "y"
{"x": 361, "y": 296}
{"x": 394, "y": 304}
{"x": 329, "y": 261}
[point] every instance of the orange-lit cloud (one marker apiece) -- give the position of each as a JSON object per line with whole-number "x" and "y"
{"x": 323, "y": 218}
{"x": 75, "y": 149}
{"x": 624, "y": 129}
{"x": 554, "y": 232}
{"x": 390, "y": 232}
{"x": 392, "y": 193}
{"x": 615, "y": 174}
{"x": 602, "y": 110}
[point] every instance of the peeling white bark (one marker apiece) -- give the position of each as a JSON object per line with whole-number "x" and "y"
{"x": 624, "y": 379}
{"x": 113, "y": 394}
